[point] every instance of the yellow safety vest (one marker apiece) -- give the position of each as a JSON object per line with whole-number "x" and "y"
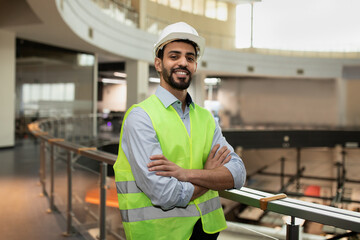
{"x": 141, "y": 219}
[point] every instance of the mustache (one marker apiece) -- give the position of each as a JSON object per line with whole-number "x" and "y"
{"x": 180, "y": 68}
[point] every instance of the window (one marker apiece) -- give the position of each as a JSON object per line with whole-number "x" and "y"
{"x": 186, "y": 6}
{"x": 329, "y": 25}
{"x": 175, "y": 4}
{"x": 221, "y": 11}
{"x": 199, "y": 7}
{"x": 210, "y": 8}
{"x": 210, "y": 11}
{"x": 243, "y": 26}
{"x": 35, "y": 92}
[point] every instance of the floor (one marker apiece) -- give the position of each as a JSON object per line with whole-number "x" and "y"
{"x": 23, "y": 210}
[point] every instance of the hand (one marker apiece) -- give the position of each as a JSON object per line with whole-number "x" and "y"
{"x": 163, "y": 167}
{"x": 217, "y": 158}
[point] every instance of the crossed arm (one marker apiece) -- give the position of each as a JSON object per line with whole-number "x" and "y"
{"x": 139, "y": 141}
{"x": 214, "y": 175}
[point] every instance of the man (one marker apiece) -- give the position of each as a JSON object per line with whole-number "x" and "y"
{"x": 172, "y": 155}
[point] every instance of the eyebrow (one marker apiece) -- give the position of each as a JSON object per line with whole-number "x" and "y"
{"x": 178, "y": 52}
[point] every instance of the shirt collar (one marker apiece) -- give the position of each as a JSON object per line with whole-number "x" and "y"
{"x": 167, "y": 98}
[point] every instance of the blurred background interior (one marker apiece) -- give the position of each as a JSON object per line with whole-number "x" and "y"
{"x": 281, "y": 77}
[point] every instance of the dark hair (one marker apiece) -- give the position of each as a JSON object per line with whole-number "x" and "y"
{"x": 160, "y": 53}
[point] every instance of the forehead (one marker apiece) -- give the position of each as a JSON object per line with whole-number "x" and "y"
{"x": 181, "y": 47}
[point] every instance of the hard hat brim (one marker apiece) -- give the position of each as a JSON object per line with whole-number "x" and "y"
{"x": 199, "y": 41}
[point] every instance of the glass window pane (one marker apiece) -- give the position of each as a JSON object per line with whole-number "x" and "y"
{"x": 35, "y": 92}
{"x": 222, "y": 11}
{"x": 45, "y": 92}
{"x": 69, "y": 92}
{"x": 186, "y": 5}
{"x": 329, "y": 25}
{"x": 210, "y": 9}
{"x": 198, "y": 7}
{"x": 26, "y": 93}
{"x": 175, "y": 4}
{"x": 163, "y": 2}
{"x": 57, "y": 92}
{"x": 243, "y": 26}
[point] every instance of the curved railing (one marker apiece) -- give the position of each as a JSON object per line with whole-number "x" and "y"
{"x": 64, "y": 141}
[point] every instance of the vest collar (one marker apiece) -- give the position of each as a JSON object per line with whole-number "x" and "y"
{"x": 167, "y": 98}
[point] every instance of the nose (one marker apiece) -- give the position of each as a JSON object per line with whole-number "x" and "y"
{"x": 183, "y": 61}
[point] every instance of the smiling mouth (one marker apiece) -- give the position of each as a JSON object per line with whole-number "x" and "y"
{"x": 180, "y": 73}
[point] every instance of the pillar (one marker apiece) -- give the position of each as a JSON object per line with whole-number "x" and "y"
{"x": 142, "y": 14}
{"x": 95, "y": 95}
{"x": 137, "y": 81}
{"x": 341, "y": 100}
{"x": 7, "y": 89}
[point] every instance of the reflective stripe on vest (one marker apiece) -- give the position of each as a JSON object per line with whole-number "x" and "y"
{"x": 127, "y": 187}
{"x": 151, "y": 212}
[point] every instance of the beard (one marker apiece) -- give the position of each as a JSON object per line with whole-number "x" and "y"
{"x": 182, "y": 84}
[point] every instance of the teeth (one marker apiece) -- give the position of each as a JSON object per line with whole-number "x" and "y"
{"x": 181, "y": 73}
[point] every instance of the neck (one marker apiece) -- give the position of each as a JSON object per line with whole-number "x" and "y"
{"x": 179, "y": 94}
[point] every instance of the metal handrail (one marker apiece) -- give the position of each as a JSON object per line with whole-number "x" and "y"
{"x": 341, "y": 218}
{"x": 337, "y": 217}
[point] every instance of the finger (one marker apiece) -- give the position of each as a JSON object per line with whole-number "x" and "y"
{"x": 160, "y": 168}
{"x": 158, "y": 156}
{"x": 220, "y": 153}
{"x": 213, "y": 150}
{"x": 223, "y": 155}
{"x": 156, "y": 163}
{"x": 226, "y": 160}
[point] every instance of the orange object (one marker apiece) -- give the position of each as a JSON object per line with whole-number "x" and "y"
{"x": 264, "y": 201}
{"x": 93, "y": 196}
{"x": 312, "y": 190}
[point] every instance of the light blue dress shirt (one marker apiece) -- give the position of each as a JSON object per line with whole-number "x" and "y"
{"x": 139, "y": 142}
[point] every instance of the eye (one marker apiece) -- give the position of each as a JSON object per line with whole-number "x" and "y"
{"x": 173, "y": 57}
{"x": 191, "y": 59}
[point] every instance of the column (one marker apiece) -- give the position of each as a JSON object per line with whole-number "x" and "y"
{"x": 142, "y": 14}
{"x": 137, "y": 81}
{"x": 7, "y": 89}
{"x": 95, "y": 95}
{"x": 341, "y": 100}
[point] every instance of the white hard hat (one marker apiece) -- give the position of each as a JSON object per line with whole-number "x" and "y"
{"x": 180, "y": 30}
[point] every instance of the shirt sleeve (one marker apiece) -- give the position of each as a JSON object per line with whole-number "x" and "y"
{"x": 235, "y": 165}
{"x": 139, "y": 142}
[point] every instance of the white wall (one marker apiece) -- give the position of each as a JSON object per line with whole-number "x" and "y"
{"x": 7, "y": 89}
{"x": 280, "y": 101}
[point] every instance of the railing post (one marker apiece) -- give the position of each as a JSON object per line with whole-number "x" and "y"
{"x": 282, "y": 172}
{"x": 52, "y": 178}
{"x": 42, "y": 167}
{"x": 298, "y": 165}
{"x": 70, "y": 213}
{"x": 292, "y": 230}
{"x": 102, "y": 223}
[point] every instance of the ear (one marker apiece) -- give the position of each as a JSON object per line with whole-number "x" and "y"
{"x": 158, "y": 64}
{"x": 195, "y": 67}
